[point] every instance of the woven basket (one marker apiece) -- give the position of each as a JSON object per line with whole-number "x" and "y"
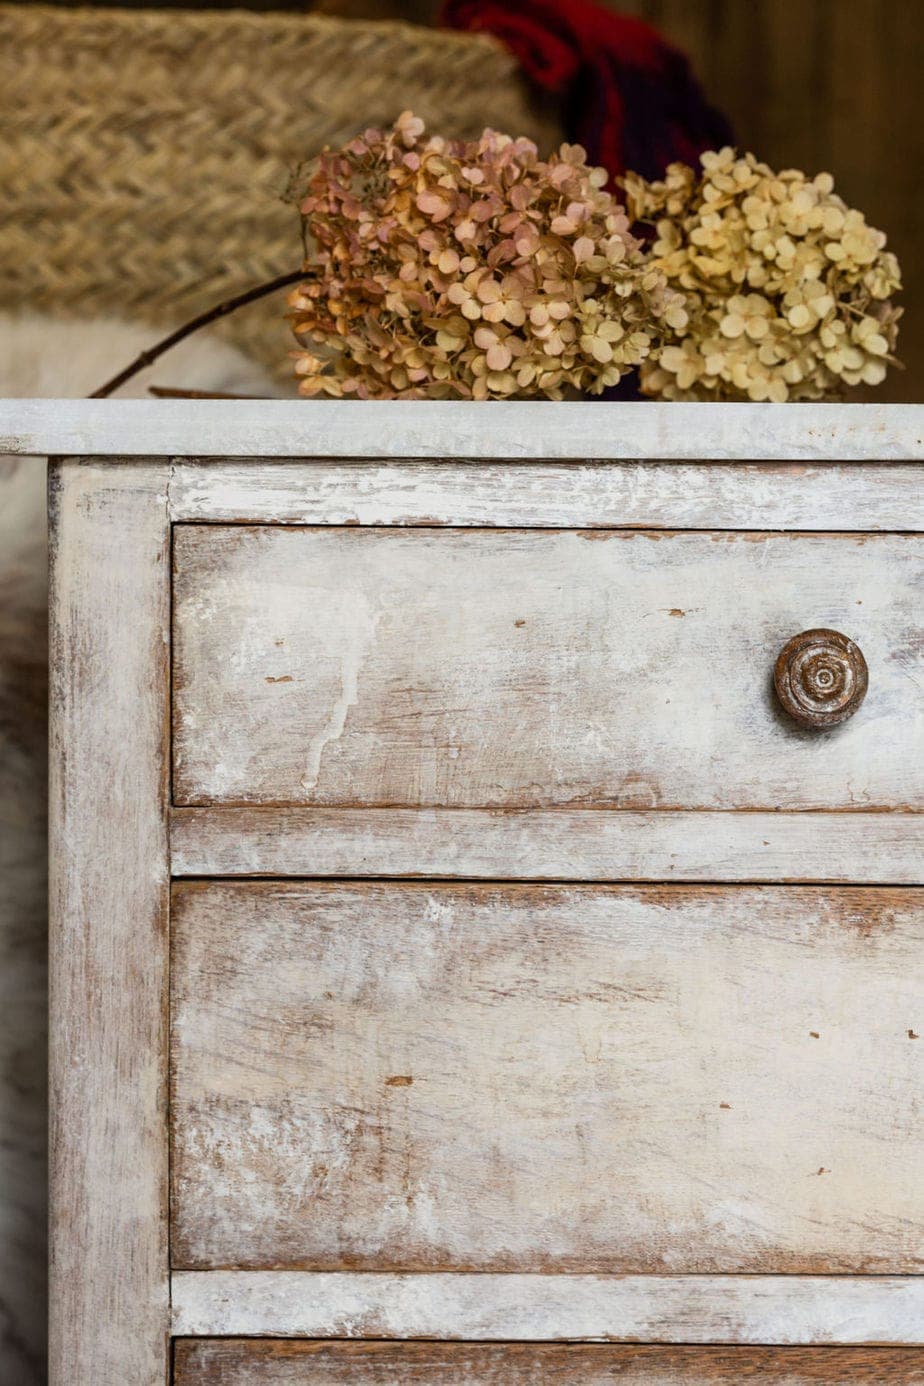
{"x": 144, "y": 155}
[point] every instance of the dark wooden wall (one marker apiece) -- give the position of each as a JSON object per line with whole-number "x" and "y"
{"x": 815, "y": 84}
{"x": 826, "y": 84}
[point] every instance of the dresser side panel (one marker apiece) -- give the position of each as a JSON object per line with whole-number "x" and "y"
{"x": 109, "y": 924}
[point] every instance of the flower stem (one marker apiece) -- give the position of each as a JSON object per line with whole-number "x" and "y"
{"x": 220, "y": 310}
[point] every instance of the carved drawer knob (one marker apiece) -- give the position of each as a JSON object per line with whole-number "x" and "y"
{"x": 820, "y": 678}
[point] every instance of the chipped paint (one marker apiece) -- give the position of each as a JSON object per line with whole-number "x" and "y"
{"x": 408, "y": 688}
{"x": 475, "y": 1069}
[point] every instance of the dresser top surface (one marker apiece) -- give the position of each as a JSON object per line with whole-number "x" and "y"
{"x": 516, "y": 431}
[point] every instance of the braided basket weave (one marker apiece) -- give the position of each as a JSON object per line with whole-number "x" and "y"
{"x": 144, "y": 155}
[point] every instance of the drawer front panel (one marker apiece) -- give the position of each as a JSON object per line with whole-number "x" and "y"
{"x": 524, "y": 1078}
{"x": 526, "y": 668}
{"x": 243, "y": 1362}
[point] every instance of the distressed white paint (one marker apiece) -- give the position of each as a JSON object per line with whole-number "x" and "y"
{"x": 561, "y": 844}
{"x": 560, "y": 1078}
{"x": 582, "y": 430}
{"x": 620, "y": 495}
{"x": 667, "y": 1309}
{"x": 108, "y": 928}
{"x": 466, "y": 984}
{"x": 536, "y": 668}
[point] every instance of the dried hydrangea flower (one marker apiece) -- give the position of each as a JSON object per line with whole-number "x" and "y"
{"x": 473, "y": 270}
{"x": 787, "y": 290}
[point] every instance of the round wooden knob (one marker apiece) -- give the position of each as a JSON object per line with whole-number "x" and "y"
{"x": 820, "y": 678}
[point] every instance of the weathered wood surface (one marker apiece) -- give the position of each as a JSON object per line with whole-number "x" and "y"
{"x": 528, "y": 668}
{"x": 621, "y": 495}
{"x": 785, "y": 1309}
{"x": 109, "y": 909}
{"x": 432, "y": 428}
{"x": 549, "y": 845}
{"x": 243, "y": 1362}
{"x": 523, "y": 1078}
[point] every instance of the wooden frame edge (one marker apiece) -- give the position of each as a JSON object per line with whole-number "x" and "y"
{"x": 440, "y": 429}
{"x": 109, "y": 902}
{"x": 773, "y": 848}
{"x": 806, "y": 1310}
{"x": 825, "y": 497}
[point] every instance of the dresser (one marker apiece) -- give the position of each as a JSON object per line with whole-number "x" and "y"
{"x": 487, "y": 942}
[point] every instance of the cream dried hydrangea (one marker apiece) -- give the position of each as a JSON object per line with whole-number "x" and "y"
{"x": 475, "y": 270}
{"x": 787, "y": 289}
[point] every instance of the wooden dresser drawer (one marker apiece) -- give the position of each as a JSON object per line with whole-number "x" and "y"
{"x": 242, "y": 1362}
{"x": 395, "y": 1077}
{"x": 529, "y": 668}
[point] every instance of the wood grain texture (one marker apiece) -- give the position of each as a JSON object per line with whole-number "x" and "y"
{"x": 549, "y": 845}
{"x": 651, "y": 495}
{"x": 524, "y": 1078}
{"x": 528, "y": 668}
{"x": 109, "y": 908}
{"x": 449, "y": 429}
{"x": 243, "y": 1362}
{"x": 783, "y": 1309}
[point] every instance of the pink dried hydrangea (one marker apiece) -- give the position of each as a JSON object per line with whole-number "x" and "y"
{"x": 444, "y": 269}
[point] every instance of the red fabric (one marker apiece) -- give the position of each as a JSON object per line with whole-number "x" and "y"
{"x": 628, "y": 97}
